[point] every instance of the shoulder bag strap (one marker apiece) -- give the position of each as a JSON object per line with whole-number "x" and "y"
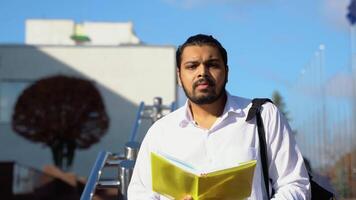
{"x": 255, "y": 110}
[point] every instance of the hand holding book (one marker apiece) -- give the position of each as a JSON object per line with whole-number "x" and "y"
{"x": 188, "y": 197}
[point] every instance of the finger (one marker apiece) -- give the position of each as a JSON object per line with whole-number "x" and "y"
{"x": 188, "y": 197}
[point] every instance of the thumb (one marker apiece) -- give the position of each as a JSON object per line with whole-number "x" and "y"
{"x": 188, "y": 197}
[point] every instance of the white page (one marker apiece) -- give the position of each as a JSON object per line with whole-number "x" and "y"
{"x": 185, "y": 166}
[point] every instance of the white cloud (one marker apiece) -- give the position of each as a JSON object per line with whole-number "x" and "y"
{"x": 335, "y": 12}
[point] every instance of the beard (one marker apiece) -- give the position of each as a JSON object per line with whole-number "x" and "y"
{"x": 208, "y": 95}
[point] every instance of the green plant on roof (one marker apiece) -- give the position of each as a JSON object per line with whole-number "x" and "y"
{"x": 79, "y": 35}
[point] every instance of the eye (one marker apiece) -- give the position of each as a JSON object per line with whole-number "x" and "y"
{"x": 190, "y": 66}
{"x": 214, "y": 65}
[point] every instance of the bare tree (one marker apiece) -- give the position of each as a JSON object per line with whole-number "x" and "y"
{"x": 62, "y": 112}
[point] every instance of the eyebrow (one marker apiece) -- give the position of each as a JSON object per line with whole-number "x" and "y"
{"x": 213, "y": 60}
{"x": 190, "y": 62}
{"x": 206, "y": 61}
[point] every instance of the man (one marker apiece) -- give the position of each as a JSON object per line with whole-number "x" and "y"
{"x": 210, "y": 130}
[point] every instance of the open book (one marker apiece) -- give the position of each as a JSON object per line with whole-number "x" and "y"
{"x": 175, "y": 179}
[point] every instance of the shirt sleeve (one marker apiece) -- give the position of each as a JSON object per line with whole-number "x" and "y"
{"x": 289, "y": 177}
{"x": 140, "y": 187}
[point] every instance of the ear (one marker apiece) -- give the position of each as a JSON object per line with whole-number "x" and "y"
{"x": 227, "y": 73}
{"x": 178, "y": 78}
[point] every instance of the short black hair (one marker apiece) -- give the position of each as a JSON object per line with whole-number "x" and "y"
{"x": 200, "y": 40}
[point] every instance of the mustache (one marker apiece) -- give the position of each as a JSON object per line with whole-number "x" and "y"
{"x": 204, "y": 80}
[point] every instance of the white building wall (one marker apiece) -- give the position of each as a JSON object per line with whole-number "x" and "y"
{"x": 59, "y": 32}
{"x": 49, "y": 32}
{"x": 125, "y": 70}
{"x": 110, "y": 33}
{"x": 124, "y": 75}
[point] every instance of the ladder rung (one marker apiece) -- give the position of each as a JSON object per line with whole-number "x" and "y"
{"x": 104, "y": 184}
{"x": 115, "y": 156}
{"x": 112, "y": 163}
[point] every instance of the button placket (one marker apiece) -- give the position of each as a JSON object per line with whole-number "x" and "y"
{"x": 208, "y": 147}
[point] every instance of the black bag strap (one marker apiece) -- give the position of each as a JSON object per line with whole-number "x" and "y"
{"x": 317, "y": 191}
{"x": 255, "y": 110}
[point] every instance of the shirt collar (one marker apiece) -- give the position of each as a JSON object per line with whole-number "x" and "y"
{"x": 231, "y": 106}
{"x": 187, "y": 117}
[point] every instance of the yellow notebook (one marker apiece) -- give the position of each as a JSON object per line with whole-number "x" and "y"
{"x": 175, "y": 179}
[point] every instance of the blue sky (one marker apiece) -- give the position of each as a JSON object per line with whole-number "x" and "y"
{"x": 269, "y": 41}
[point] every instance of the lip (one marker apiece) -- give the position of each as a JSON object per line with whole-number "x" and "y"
{"x": 202, "y": 86}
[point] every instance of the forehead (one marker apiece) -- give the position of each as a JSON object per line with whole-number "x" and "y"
{"x": 198, "y": 51}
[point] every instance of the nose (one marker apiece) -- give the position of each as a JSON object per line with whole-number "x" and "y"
{"x": 203, "y": 70}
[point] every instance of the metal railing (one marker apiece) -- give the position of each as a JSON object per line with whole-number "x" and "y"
{"x": 94, "y": 177}
{"x": 126, "y": 162}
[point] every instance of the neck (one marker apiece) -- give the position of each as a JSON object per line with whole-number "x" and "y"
{"x": 206, "y": 114}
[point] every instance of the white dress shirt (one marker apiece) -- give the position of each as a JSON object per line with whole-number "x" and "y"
{"x": 231, "y": 140}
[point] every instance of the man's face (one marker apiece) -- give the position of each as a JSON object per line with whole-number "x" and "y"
{"x": 202, "y": 74}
